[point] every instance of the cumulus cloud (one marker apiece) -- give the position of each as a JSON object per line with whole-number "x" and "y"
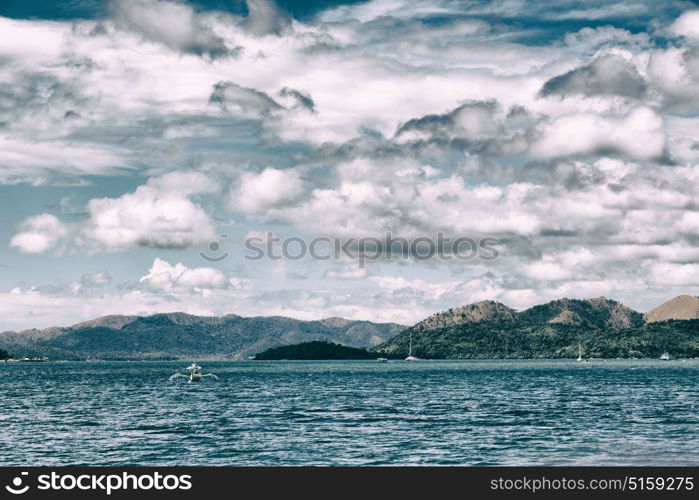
{"x": 163, "y": 277}
{"x": 687, "y": 25}
{"x": 172, "y": 23}
{"x": 672, "y": 274}
{"x": 271, "y": 189}
{"x": 159, "y": 214}
{"x": 471, "y": 120}
{"x": 606, "y": 75}
{"x": 39, "y": 234}
{"x": 638, "y": 135}
{"x": 675, "y": 73}
{"x": 363, "y": 119}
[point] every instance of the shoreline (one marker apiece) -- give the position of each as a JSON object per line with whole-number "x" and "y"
{"x": 370, "y": 361}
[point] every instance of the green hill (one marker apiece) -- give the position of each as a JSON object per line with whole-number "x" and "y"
{"x": 603, "y": 328}
{"x": 179, "y": 335}
{"x": 315, "y": 351}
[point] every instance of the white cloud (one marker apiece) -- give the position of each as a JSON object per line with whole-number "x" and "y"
{"x": 687, "y": 25}
{"x": 170, "y": 22}
{"x": 39, "y": 234}
{"x": 271, "y": 189}
{"x": 163, "y": 277}
{"x": 45, "y": 162}
{"x": 638, "y": 135}
{"x": 265, "y": 18}
{"x": 553, "y": 177}
{"x": 671, "y": 274}
{"x": 675, "y": 73}
{"x": 159, "y": 214}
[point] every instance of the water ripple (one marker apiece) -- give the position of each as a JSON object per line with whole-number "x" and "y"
{"x": 353, "y": 413}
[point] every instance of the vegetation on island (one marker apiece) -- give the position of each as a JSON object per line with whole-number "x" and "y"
{"x": 5, "y": 355}
{"x": 599, "y": 328}
{"x": 185, "y": 336}
{"x": 314, "y": 351}
{"x": 595, "y": 328}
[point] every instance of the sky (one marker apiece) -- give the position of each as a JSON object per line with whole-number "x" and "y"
{"x": 138, "y": 137}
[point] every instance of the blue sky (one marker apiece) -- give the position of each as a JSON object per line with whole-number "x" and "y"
{"x": 134, "y": 132}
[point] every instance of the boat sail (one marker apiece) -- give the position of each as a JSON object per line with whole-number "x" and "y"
{"x": 580, "y": 354}
{"x": 410, "y": 351}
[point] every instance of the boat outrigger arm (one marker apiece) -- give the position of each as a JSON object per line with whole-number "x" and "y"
{"x": 193, "y": 373}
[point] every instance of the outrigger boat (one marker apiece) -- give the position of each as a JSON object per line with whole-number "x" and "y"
{"x": 194, "y": 374}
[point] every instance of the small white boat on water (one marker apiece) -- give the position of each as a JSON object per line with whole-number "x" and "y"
{"x": 410, "y": 351}
{"x": 580, "y": 354}
{"x": 382, "y": 360}
{"x": 193, "y": 374}
{"x": 665, "y": 356}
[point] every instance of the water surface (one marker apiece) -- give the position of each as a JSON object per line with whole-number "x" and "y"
{"x": 352, "y": 413}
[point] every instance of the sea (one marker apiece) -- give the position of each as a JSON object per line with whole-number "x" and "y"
{"x": 365, "y": 413}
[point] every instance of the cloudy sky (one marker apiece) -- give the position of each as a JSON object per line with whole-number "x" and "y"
{"x": 133, "y": 133}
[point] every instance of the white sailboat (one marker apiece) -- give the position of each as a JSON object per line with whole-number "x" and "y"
{"x": 580, "y": 354}
{"x": 410, "y": 351}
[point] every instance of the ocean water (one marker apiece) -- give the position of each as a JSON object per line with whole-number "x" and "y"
{"x": 352, "y": 413}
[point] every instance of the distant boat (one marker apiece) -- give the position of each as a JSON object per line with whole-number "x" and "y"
{"x": 382, "y": 360}
{"x": 194, "y": 374}
{"x": 665, "y": 356}
{"x": 27, "y": 360}
{"x": 580, "y": 354}
{"x": 410, "y": 351}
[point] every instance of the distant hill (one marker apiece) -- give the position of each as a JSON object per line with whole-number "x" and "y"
{"x": 179, "y": 335}
{"x": 597, "y": 312}
{"x": 473, "y": 313}
{"x": 604, "y": 328}
{"x": 681, "y": 307}
{"x": 488, "y": 329}
{"x": 314, "y": 351}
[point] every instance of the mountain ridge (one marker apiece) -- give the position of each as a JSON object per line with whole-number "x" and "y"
{"x": 556, "y": 329}
{"x": 482, "y": 329}
{"x": 181, "y": 335}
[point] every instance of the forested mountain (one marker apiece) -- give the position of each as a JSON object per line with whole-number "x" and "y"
{"x": 602, "y": 328}
{"x": 179, "y": 335}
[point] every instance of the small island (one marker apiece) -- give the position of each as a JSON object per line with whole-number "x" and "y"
{"x": 316, "y": 350}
